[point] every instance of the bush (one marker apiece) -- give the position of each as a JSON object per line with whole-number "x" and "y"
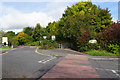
{"x": 110, "y": 35}
{"x": 88, "y": 46}
{"x": 99, "y": 53}
{"x": 114, "y": 48}
{"x": 82, "y": 49}
{"x": 37, "y": 43}
{"x": 49, "y": 44}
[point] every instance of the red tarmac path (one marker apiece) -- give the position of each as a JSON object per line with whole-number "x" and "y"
{"x": 73, "y": 66}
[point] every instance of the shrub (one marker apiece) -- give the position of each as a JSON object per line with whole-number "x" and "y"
{"x": 99, "y": 53}
{"x": 88, "y": 46}
{"x": 110, "y": 35}
{"x": 48, "y": 44}
{"x": 37, "y": 43}
{"x": 114, "y": 48}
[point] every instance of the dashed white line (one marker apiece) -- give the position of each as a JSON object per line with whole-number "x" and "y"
{"x": 105, "y": 69}
{"x": 45, "y": 61}
{"x": 115, "y": 73}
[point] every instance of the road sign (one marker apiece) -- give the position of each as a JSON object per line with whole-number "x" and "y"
{"x": 5, "y": 40}
{"x": 44, "y": 37}
{"x": 53, "y": 37}
{"x": 92, "y": 41}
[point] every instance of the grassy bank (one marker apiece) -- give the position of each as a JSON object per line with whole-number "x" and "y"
{"x": 5, "y": 47}
{"x": 99, "y": 53}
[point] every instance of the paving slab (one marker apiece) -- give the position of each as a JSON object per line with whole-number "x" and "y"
{"x": 73, "y": 66}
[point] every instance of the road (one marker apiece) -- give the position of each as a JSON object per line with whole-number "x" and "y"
{"x": 25, "y": 63}
{"x": 105, "y": 68}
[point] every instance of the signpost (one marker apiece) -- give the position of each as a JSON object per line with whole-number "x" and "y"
{"x": 53, "y": 37}
{"x": 44, "y": 44}
{"x": 5, "y": 41}
{"x": 92, "y": 41}
{"x": 44, "y": 37}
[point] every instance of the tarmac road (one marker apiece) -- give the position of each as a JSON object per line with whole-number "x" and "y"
{"x": 25, "y": 63}
{"x": 105, "y": 68}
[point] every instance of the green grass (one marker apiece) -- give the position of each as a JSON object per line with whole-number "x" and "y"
{"x": 99, "y": 53}
{"x": 5, "y": 47}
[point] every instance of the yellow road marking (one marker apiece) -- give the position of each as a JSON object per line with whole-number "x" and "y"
{"x": 45, "y": 54}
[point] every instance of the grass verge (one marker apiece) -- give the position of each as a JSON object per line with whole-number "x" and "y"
{"x": 99, "y": 53}
{"x": 5, "y": 47}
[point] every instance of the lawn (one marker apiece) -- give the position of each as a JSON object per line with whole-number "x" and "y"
{"x": 5, "y": 47}
{"x": 99, "y": 53}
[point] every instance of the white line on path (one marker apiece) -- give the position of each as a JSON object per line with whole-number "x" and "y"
{"x": 45, "y": 61}
{"x": 114, "y": 71}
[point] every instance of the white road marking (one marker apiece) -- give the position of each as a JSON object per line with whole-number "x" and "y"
{"x": 105, "y": 58}
{"x": 45, "y": 61}
{"x": 115, "y": 73}
{"x": 105, "y": 69}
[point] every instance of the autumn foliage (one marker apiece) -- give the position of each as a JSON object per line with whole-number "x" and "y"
{"x": 23, "y": 38}
{"x": 110, "y": 35}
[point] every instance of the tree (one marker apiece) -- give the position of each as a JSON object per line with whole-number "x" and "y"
{"x": 23, "y": 38}
{"x": 1, "y": 35}
{"x": 28, "y": 30}
{"x": 52, "y": 29}
{"x": 37, "y": 34}
{"x": 83, "y": 15}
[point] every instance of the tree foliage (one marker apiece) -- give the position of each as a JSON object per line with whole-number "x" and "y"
{"x": 1, "y": 35}
{"x": 23, "y": 38}
{"x": 28, "y": 30}
{"x": 110, "y": 35}
{"x": 37, "y": 34}
{"x": 83, "y": 16}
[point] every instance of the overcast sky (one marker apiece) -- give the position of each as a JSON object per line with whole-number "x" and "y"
{"x": 17, "y": 15}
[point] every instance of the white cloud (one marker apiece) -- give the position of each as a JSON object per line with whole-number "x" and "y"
{"x": 13, "y": 19}
{"x": 20, "y": 20}
{"x": 14, "y": 30}
{"x": 114, "y": 19}
{"x": 57, "y": 0}
{"x": 56, "y": 9}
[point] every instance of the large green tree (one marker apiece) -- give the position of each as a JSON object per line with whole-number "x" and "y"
{"x": 52, "y": 29}
{"x": 28, "y": 30}
{"x": 37, "y": 32}
{"x": 83, "y": 15}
